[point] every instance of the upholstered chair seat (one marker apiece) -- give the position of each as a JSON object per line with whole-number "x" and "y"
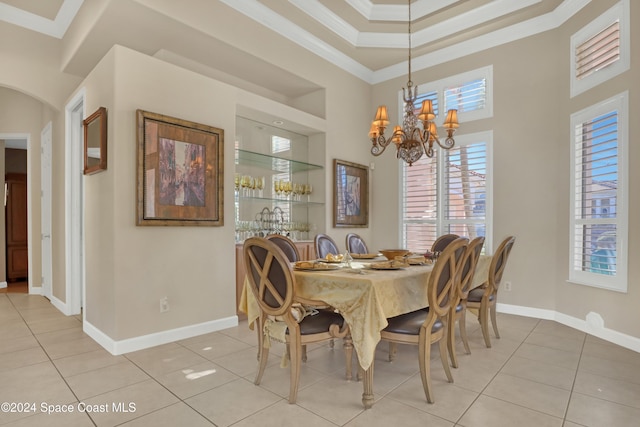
{"x": 319, "y": 322}
{"x": 410, "y": 323}
{"x": 476, "y": 295}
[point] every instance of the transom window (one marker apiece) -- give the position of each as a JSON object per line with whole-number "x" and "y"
{"x": 601, "y": 50}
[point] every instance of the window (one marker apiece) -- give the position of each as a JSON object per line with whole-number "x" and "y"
{"x": 600, "y": 50}
{"x": 470, "y": 93}
{"x": 599, "y": 195}
{"x": 449, "y": 193}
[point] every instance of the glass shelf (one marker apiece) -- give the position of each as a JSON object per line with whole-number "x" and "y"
{"x": 280, "y": 200}
{"x": 273, "y": 163}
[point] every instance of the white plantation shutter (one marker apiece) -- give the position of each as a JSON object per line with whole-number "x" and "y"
{"x": 598, "y": 214}
{"x": 466, "y": 97}
{"x": 465, "y": 190}
{"x": 457, "y": 202}
{"x": 601, "y": 50}
{"x": 419, "y": 205}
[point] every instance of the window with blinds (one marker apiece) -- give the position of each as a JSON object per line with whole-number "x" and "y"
{"x": 470, "y": 93}
{"x": 466, "y": 97}
{"x": 598, "y": 211}
{"x": 600, "y": 50}
{"x": 447, "y": 194}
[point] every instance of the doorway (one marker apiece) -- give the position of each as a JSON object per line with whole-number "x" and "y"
{"x": 17, "y": 224}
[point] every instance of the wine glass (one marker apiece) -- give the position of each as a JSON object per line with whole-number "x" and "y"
{"x": 260, "y": 185}
{"x": 277, "y": 187}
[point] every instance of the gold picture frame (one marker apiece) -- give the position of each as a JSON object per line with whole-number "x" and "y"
{"x": 95, "y": 142}
{"x": 180, "y": 172}
{"x": 350, "y": 194}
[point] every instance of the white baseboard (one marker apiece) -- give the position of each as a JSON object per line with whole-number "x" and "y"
{"x": 593, "y": 324}
{"x": 158, "y": 338}
{"x": 3, "y": 285}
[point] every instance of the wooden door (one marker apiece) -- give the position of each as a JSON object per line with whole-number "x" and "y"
{"x": 16, "y": 226}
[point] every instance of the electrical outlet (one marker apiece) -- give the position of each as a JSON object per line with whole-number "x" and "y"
{"x": 164, "y": 304}
{"x": 507, "y": 286}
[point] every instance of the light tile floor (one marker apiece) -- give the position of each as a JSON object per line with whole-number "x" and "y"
{"x": 540, "y": 373}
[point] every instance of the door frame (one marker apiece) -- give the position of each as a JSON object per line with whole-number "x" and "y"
{"x": 45, "y": 211}
{"x": 74, "y": 206}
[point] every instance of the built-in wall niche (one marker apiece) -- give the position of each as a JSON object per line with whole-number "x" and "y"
{"x": 279, "y": 182}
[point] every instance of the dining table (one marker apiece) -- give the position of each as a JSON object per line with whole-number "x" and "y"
{"x": 366, "y": 297}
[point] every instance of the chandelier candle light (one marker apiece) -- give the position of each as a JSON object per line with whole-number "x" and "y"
{"x": 411, "y": 141}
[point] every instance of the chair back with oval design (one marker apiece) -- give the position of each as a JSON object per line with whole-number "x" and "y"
{"x": 287, "y": 245}
{"x": 325, "y": 245}
{"x": 441, "y": 242}
{"x": 498, "y": 263}
{"x": 356, "y": 245}
{"x": 468, "y": 266}
{"x": 443, "y": 277}
{"x": 270, "y": 275}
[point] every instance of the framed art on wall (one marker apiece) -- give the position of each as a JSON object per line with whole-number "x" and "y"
{"x": 350, "y": 195}
{"x": 95, "y": 141}
{"x": 180, "y": 172}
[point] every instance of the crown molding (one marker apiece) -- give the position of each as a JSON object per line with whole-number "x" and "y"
{"x": 514, "y": 32}
{"x": 464, "y": 21}
{"x": 54, "y": 28}
{"x": 275, "y": 22}
{"x": 397, "y": 12}
{"x": 265, "y": 16}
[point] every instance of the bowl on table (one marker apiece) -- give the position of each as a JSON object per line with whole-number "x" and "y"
{"x": 393, "y": 253}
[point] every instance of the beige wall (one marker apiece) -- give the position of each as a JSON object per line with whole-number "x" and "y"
{"x": 531, "y": 143}
{"x": 22, "y": 114}
{"x": 37, "y": 73}
{"x": 129, "y": 268}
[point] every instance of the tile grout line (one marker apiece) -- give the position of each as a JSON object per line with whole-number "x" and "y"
{"x": 481, "y": 393}
{"x": 50, "y": 359}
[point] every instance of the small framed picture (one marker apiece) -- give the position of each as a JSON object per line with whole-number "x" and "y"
{"x": 350, "y": 195}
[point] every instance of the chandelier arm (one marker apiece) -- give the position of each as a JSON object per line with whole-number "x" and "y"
{"x": 380, "y": 144}
{"x": 449, "y": 142}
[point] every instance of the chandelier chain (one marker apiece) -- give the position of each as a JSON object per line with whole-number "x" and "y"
{"x": 409, "y": 83}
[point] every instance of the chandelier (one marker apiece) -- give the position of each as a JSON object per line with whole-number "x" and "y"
{"x": 412, "y": 141}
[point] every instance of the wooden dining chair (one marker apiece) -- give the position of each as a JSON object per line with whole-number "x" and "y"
{"x": 460, "y": 292}
{"x": 442, "y": 242}
{"x": 427, "y": 326}
{"x": 485, "y": 297}
{"x": 325, "y": 245}
{"x": 287, "y": 245}
{"x": 290, "y": 249}
{"x": 355, "y": 244}
{"x": 272, "y": 283}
